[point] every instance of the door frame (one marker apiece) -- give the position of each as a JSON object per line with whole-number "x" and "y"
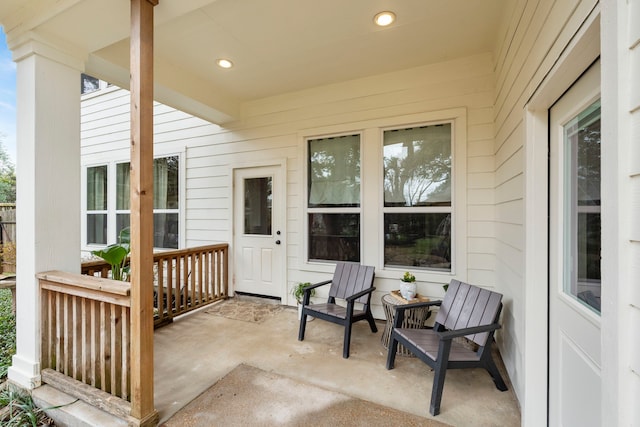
{"x": 281, "y": 188}
{"x": 579, "y": 54}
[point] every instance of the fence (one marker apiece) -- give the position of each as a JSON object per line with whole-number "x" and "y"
{"x": 8, "y": 236}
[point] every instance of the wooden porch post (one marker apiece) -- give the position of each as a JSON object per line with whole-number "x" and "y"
{"x": 141, "y": 181}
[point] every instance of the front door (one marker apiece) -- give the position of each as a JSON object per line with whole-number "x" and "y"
{"x": 258, "y": 234}
{"x": 574, "y": 255}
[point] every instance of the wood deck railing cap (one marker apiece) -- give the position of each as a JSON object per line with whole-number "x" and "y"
{"x": 88, "y": 282}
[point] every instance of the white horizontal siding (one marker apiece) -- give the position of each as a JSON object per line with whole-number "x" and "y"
{"x": 271, "y": 129}
{"x": 536, "y": 34}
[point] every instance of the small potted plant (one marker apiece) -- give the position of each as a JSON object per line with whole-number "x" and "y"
{"x": 408, "y": 288}
{"x": 298, "y": 294}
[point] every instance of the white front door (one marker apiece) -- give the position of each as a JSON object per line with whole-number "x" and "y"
{"x": 574, "y": 255}
{"x": 259, "y": 248}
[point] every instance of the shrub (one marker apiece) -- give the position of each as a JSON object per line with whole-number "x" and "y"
{"x": 20, "y": 410}
{"x": 7, "y": 332}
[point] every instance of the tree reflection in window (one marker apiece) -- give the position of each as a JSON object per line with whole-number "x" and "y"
{"x": 417, "y": 166}
{"x": 417, "y": 197}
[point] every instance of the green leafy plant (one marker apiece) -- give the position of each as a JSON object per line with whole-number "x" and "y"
{"x": 117, "y": 255}
{"x": 21, "y": 410}
{"x": 7, "y": 332}
{"x": 408, "y": 277}
{"x": 298, "y": 291}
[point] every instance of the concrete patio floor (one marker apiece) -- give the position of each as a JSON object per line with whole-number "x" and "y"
{"x": 199, "y": 349}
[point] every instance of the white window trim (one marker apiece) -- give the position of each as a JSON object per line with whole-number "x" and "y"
{"x": 420, "y": 209}
{"x": 111, "y": 162}
{"x": 370, "y": 191}
{"x": 339, "y": 210}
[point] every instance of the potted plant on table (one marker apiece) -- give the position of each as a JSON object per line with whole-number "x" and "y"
{"x": 408, "y": 288}
{"x": 298, "y": 294}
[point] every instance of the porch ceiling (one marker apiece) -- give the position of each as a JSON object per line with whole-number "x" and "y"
{"x": 277, "y": 46}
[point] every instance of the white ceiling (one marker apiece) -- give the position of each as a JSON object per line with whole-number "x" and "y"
{"x": 277, "y": 46}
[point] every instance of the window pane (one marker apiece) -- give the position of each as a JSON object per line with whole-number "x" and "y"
{"x": 334, "y": 237}
{"x": 123, "y": 220}
{"x": 88, "y": 84}
{"x": 165, "y": 183}
{"x": 165, "y": 230}
{"x": 588, "y": 162}
{"x": 418, "y": 240}
{"x": 97, "y": 229}
{"x": 123, "y": 172}
{"x": 257, "y": 205}
{"x": 589, "y": 248}
{"x": 97, "y": 188}
{"x": 417, "y": 166}
{"x": 334, "y": 171}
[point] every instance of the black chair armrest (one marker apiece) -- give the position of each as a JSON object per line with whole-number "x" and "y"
{"x": 399, "y": 310}
{"x": 360, "y": 294}
{"x": 403, "y": 307}
{"x": 316, "y": 285}
{"x": 451, "y": 334}
{"x": 306, "y": 291}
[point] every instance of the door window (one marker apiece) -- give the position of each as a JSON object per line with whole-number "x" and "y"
{"x": 257, "y": 205}
{"x": 582, "y": 240}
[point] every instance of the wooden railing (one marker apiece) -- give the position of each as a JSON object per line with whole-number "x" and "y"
{"x": 86, "y": 320}
{"x": 85, "y": 337}
{"x": 184, "y": 280}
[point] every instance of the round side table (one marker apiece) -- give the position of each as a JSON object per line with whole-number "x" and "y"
{"x": 414, "y": 318}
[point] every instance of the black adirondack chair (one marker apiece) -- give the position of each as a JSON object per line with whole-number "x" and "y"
{"x": 466, "y": 311}
{"x": 352, "y": 283}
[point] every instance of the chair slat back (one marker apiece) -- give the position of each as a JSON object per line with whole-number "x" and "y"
{"x": 351, "y": 278}
{"x": 466, "y": 306}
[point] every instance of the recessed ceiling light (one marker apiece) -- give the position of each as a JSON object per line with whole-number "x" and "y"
{"x": 384, "y": 18}
{"x": 224, "y": 63}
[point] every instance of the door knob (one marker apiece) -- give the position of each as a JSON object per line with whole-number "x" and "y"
{"x": 277, "y": 242}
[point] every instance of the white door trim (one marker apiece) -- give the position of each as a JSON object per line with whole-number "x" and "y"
{"x": 579, "y": 54}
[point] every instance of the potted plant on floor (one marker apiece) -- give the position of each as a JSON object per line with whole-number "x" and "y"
{"x": 298, "y": 294}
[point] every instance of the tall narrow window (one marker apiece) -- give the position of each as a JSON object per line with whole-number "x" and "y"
{"x": 97, "y": 205}
{"x": 334, "y": 198}
{"x": 582, "y": 240}
{"x": 417, "y": 197}
{"x": 165, "y": 200}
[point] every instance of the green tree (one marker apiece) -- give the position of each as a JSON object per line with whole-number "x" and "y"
{"x": 7, "y": 175}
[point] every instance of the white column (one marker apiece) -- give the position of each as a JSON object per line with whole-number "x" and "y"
{"x": 48, "y": 186}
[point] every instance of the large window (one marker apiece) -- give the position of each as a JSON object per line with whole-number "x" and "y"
{"x": 166, "y": 202}
{"x": 417, "y": 197}
{"x": 334, "y": 198}
{"x": 97, "y": 205}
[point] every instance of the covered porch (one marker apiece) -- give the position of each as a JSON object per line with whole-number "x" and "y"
{"x": 316, "y": 71}
{"x": 199, "y": 349}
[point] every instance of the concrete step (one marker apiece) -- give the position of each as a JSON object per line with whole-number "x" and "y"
{"x": 70, "y": 412}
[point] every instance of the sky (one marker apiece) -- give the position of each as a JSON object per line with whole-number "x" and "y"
{"x": 7, "y": 98}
